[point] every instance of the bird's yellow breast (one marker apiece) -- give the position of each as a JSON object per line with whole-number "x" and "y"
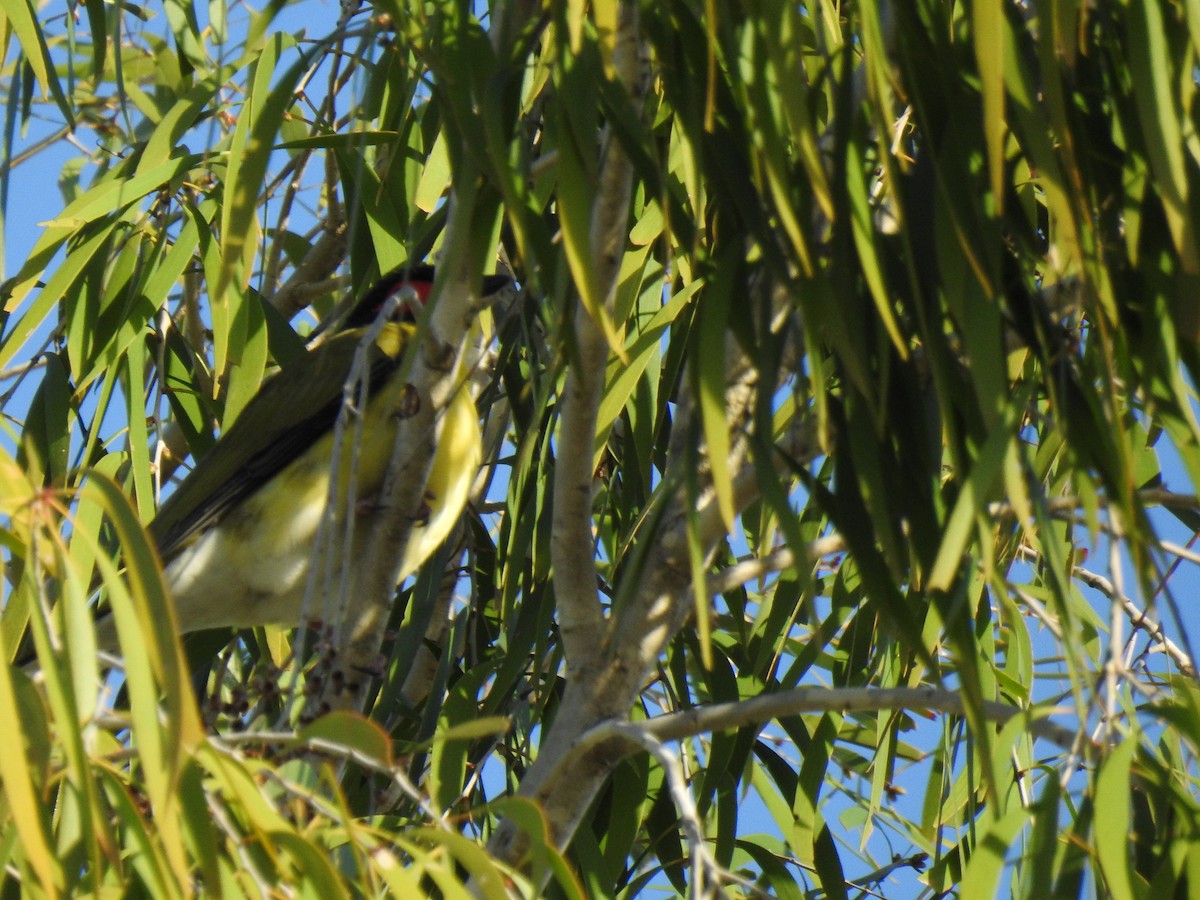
{"x": 252, "y": 568}
{"x": 274, "y": 528}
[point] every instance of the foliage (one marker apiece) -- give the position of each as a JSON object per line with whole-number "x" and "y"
{"x": 826, "y": 529}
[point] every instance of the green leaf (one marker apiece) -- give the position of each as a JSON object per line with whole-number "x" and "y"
{"x": 435, "y": 176}
{"x": 623, "y": 377}
{"x": 1154, "y": 92}
{"x": 22, "y": 797}
{"x": 981, "y": 877}
{"x": 352, "y": 731}
{"x": 713, "y": 311}
{"x": 988, "y": 33}
{"x": 47, "y": 435}
{"x": 181, "y": 17}
{"x": 183, "y": 115}
{"x": 862, "y": 226}
{"x": 249, "y": 155}
{"x": 531, "y": 819}
{"x": 975, "y": 494}
{"x": 145, "y": 620}
{"x": 348, "y": 141}
{"x": 22, "y": 17}
{"x": 487, "y": 878}
{"x": 488, "y": 726}
{"x": 1113, "y": 821}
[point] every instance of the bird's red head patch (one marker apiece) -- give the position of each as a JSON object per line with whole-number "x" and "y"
{"x": 418, "y": 278}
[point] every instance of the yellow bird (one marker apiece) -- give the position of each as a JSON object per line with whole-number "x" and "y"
{"x": 238, "y": 535}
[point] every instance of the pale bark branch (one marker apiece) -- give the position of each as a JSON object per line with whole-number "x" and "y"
{"x": 434, "y": 384}
{"x": 1062, "y": 506}
{"x": 706, "y": 873}
{"x": 566, "y": 776}
{"x": 1182, "y": 552}
{"x": 1138, "y": 617}
{"x": 572, "y": 545}
{"x": 568, "y": 765}
{"x": 747, "y": 570}
{"x": 768, "y": 707}
{"x": 317, "y": 267}
{"x": 434, "y": 377}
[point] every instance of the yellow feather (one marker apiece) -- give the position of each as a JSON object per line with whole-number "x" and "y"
{"x": 252, "y": 567}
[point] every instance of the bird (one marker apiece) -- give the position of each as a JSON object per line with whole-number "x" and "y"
{"x": 237, "y": 537}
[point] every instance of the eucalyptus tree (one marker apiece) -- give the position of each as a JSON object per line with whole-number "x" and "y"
{"x": 839, "y": 446}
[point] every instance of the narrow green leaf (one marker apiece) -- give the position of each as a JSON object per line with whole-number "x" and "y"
{"x": 47, "y": 437}
{"x": 863, "y": 228}
{"x": 385, "y": 223}
{"x": 313, "y": 862}
{"x": 1154, "y": 92}
{"x": 985, "y": 472}
{"x": 623, "y": 377}
{"x": 145, "y": 620}
{"x": 22, "y": 798}
{"x": 22, "y": 16}
{"x": 435, "y": 176}
{"x": 987, "y": 29}
{"x": 245, "y": 373}
{"x": 546, "y": 857}
{"x": 829, "y": 865}
{"x": 116, "y": 193}
{"x": 487, "y": 726}
{"x": 776, "y": 875}
{"x": 1112, "y": 822}
{"x": 606, "y": 14}
{"x": 577, "y": 197}
{"x": 234, "y": 779}
{"x": 449, "y": 754}
{"x": 402, "y": 878}
{"x": 488, "y": 879}
{"x": 353, "y": 731}
{"x": 785, "y": 42}
{"x": 183, "y": 115}
{"x": 981, "y": 877}
{"x": 98, "y": 26}
{"x": 710, "y": 385}
{"x": 181, "y": 17}
{"x": 53, "y": 292}
{"x": 351, "y": 140}
{"x": 703, "y": 603}
{"x": 576, "y": 17}
{"x": 249, "y": 155}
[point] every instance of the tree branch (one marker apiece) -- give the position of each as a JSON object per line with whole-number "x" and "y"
{"x": 317, "y": 266}
{"x": 566, "y": 776}
{"x": 765, "y": 708}
{"x": 572, "y": 546}
{"x": 746, "y": 570}
{"x": 1138, "y": 617}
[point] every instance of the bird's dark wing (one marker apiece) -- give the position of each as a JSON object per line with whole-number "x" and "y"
{"x": 288, "y": 415}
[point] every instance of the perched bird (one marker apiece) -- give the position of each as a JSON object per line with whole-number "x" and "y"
{"x": 236, "y": 537}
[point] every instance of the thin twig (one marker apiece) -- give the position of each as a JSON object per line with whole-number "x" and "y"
{"x": 1138, "y": 617}
{"x": 747, "y": 570}
{"x": 764, "y": 708}
{"x": 706, "y": 873}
